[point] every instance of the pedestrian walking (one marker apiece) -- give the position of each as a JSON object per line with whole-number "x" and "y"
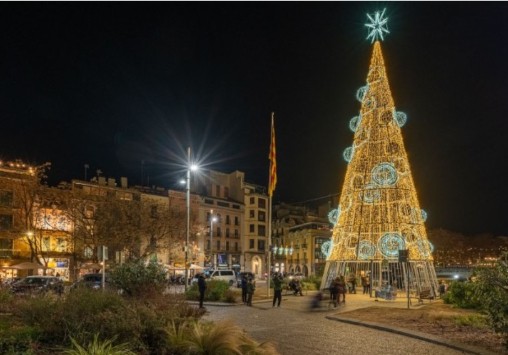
{"x": 366, "y": 284}
{"x": 244, "y": 289}
{"x": 342, "y": 289}
{"x": 334, "y": 291}
{"x": 251, "y": 287}
{"x": 352, "y": 283}
{"x": 202, "y": 289}
{"x": 277, "y": 289}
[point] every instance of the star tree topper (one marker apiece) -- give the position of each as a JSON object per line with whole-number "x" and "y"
{"x": 377, "y": 26}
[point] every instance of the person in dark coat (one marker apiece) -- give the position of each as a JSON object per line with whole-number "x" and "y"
{"x": 251, "y": 287}
{"x": 334, "y": 291}
{"x": 202, "y": 289}
{"x": 277, "y": 289}
{"x": 244, "y": 289}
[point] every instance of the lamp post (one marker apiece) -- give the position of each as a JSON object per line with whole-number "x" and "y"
{"x": 212, "y": 219}
{"x": 190, "y": 167}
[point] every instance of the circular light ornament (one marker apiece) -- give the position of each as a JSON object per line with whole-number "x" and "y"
{"x": 390, "y": 244}
{"x": 326, "y": 248}
{"x": 366, "y": 250}
{"x": 424, "y": 215}
{"x": 333, "y": 215}
{"x": 400, "y": 118}
{"x": 371, "y": 193}
{"x": 355, "y": 122}
{"x": 361, "y": 92}
{"x": 425, "y": 247}
{"x": 384, "y": 174}
{"x": 348, "y": 154}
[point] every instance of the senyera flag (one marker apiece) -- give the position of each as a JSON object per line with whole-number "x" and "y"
{"x": 273, "y": 162}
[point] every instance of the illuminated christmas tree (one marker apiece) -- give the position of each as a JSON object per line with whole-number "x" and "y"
{"x": 378, "y": 213}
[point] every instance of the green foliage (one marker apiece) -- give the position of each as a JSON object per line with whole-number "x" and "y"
{"x": 209, "y": 338}
{"x": 473, "y": 320}
{"x": 492, "y": 288}
{"x": 18, "y": 339}
{"x": 5, "y": 300}
{"x": 97, "y": 347}
{"x": 312, "y": 282}
{"x": 138, "y": 278}
{"x": 463, "y": 295}
{"x": 216, "y": 290}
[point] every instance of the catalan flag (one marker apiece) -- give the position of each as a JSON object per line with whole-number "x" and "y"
{"x": 273, "y": 162}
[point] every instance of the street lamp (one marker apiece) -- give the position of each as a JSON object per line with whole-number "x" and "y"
{"x": 212, "y": 220}
{"x": 190, "y": 167}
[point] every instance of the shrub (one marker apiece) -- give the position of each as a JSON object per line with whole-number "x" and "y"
{"x": 138, "y": 278}
{"x": 97, "y": 347}
{"x": 463, "y": 295}
{"x": 492, "y": 289}
{"x": 216, "y": 290}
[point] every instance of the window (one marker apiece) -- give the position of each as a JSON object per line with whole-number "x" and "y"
{"x": 153, "y": 212}
{"x": 227, "y": 233}
{"x": 251, "y": 243}
{"x": 236, "y": 246}
{"x": 89, "y": 211}
{"x": 227, "y": 246}
{"x": 46, "y": 244}
{"x": 61, "y": 245}
{"x": 251, "y": 228}
{"x": 262, "y": 203}
{"x": 236, "y": 233}
{"x": 261, "y": 245}
{"x": 252, "y": 200}
{"x": 217, "y": 190}
{"x": 228, "y": 221}
{"x": 261, "y": 216}
{"x": 218, "y": 245}
{"x": 208, "y": 244}
{"x": 125, "y": 196}
{"x": 226, "y": 192}
{"x": 223, "y": 204}
{"x": 219, "y": 232}
{"x": 252, "y": 214}
{"x": 5, "y": 222}
{"x": 261, "y": 231}
{"x": 6, "y": 248}
{"x": 208, "y": 201}
{"x": 6, "y": 198}
{"x": 236, "y": 221}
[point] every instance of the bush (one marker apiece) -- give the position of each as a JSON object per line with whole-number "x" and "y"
{"x": 492, "y": 289}
{"x": 312, "y": 282}
{"x": 216, "y": 290}
{"x": 463, "y": 295}
{"x": 138, "y": 278}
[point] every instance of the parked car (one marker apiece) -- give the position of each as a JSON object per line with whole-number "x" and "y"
{"x": 32, "y": 285}
{"x": 225, "y": 275}
{"x": 92, "y": 281}
{"x": 240, "y": 275}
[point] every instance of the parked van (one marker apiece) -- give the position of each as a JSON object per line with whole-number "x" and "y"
{"x": 225, "y": 275}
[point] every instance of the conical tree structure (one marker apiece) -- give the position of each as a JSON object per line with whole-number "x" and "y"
{"x": 378, "y": 212}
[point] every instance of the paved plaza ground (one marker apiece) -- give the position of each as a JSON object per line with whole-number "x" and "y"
{"x": 295, "y": 329}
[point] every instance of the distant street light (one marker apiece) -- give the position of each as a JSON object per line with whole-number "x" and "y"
{"x": 212, "y": 220}
{"x": 190, "y": 167}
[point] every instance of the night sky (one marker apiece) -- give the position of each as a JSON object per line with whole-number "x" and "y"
{"x": 125, "y": 87}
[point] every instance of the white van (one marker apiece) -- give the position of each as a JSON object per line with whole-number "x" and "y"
{"x": 225, "y": 275}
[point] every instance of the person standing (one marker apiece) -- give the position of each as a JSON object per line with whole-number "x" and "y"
{"x": 202, "y": 289}
{"x": 277, "y": 289}
{"x": 342, "y": 289}
{"x": 251, "y": 287}
{"x": 334, "y": 291}
{"x": 244, "y": 289}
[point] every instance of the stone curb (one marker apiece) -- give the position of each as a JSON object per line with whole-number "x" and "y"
{"x": 416, "y": 335}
